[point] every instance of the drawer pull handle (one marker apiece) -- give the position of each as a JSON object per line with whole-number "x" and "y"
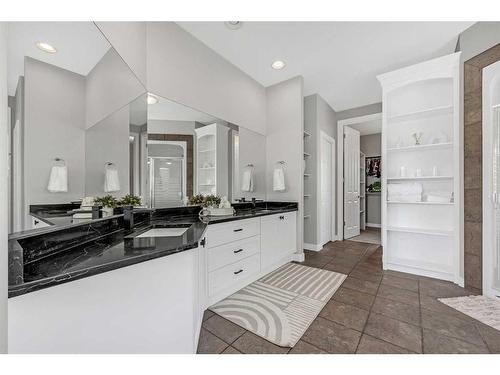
{"x": 282, "y": 218}
{"x": 237, "y": 251}
{"x": 237, "y": 272}
{"x": 237, "y": 230}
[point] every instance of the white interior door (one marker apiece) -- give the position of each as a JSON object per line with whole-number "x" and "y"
{"x": 491, "y": 180}
{"x": 351, "y": 182}
{"x": 327, "y": 152}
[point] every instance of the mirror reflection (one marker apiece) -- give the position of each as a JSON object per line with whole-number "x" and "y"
{"x": 70, "y": 98}
{"x": 191, "y": 153}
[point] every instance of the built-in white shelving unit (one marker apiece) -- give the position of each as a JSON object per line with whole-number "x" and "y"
{"x": 211, "y": 159}
{"x": 421, "y": 149}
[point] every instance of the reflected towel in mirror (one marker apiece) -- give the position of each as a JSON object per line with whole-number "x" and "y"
{"x": 58, "y": 180}
{"x": 111, "y": 179}
{"x": 247, "y": 183}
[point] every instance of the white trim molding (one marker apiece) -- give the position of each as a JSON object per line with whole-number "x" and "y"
{"x": 312, "y": 247}
{"x": 340, "y": 165}
{"x": 373, "y": 225}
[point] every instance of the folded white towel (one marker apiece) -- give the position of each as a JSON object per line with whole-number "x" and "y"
{"x": 58, "y": 180}
{"x": 279, "y": 179}
{"x": 404, "y": 198}
{"x": 247, "y": 180}
{"x": 111, "y": 179}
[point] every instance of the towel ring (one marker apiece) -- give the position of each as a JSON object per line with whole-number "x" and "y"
{"x": 281, "y": 162}
{"x": 108, "y": 164}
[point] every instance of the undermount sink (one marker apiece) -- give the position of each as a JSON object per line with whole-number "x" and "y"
{"x": 165, "y": 230}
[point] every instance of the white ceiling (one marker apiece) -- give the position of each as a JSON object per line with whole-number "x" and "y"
{"x": 338, "y": 60}
{"x": 368, "y": 127}
{"x": 80, "y": 45}
{"x": 168, "y": 110}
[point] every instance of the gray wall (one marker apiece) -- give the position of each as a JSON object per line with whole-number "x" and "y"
{"x": 318, "y": 116}
{"x": 371, "y": 145}
{"x": 3, "y": 187}
{"x": 284, "y": 142}
{"x": 110, "y": 85}
{"x": 54, "y": 127}
{"x": 108, "y": 141}
{"x": 359, "y": 111}
{"x": 183, "y": 69}
{"x": 171, "y": 127}
{"x": 129, "y": 39}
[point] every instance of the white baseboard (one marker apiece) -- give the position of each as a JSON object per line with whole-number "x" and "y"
{"x": 373, "y": 225}
{"x": 312, "y": 247}
{"x": 298, "y": 257}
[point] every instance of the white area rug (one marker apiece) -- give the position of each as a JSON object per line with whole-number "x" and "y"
{"x": 280, "y": 306}
{"x": 484, "y": 309}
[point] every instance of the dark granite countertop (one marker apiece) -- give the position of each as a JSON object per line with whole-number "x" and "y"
{"x": 39, "y": 259}
{"x": 111, "y": 251}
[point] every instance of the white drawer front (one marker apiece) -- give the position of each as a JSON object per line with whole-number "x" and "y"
{"x": 231, "y": 274}
{"x": 232, "y": 252}
{"x": 218, "y": 234}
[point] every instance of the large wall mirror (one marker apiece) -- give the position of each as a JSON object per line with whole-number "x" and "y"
{"x": 70, "y": 99}
{"x": 190, "y": 152}
{"x": 84, "y": 127}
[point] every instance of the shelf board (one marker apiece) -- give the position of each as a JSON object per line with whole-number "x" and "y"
{"x": 432, "y": 146}
{"x": 209, "y": 150}
{"x": 206, "y": 168}
{"x": 425, "y": 178}
{"x": 362, "y": 211}
{"x": 307, "y": 216}
{"x": 424, "y": 203}
{"x": 307, "y": 154}
{"x": 307, "y": 196}
{"x": 206, "y": 184}
{"x": 415, "y": 115}
{"x": 306, "y": 134}
{"x": 307, "y": 175}
{"x": 435, "y": 232}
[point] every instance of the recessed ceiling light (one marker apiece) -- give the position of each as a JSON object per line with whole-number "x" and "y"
{"x": 233, "y": 25}
{"x": 46, "y": 47}
{"x": 152, "y": 99}
{"x": 278, "y": 64}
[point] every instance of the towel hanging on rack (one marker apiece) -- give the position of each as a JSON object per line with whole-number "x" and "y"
{"x": 279, "y": 177}
{"x": 58, "y": 180}
{"x": 247, "y": 183}
{"x": 111, "y": 178}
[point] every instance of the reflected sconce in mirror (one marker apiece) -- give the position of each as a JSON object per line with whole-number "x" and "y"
{"x": 111, "y": 178}
{"x": 58, "y": 180}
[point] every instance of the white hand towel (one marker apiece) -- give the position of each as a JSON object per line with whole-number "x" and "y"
{"x": 247, "y": 179}
{"x": 58, "y": 180}
{"x": 111, "y": 179}
{"x": 279, "y": 179}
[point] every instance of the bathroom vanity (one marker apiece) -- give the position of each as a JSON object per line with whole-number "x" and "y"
{"x": 99, "y": 288}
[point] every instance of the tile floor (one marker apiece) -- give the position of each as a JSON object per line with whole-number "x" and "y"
{"x": 374, "y": 311}
{"x": 370, "y": 235}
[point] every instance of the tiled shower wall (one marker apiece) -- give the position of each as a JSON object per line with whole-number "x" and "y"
{"x": 473, "y": 211}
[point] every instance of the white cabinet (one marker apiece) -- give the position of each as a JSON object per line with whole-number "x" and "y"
{"x": 421, "y": 152}
{"x": 241, "y": 251}
{"x": 278, "y": 238}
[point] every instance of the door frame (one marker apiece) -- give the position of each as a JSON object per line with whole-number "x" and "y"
{"x": 340, "y": 165}
{"x": 491, "y": 75}
{"x": 333, "y": 236}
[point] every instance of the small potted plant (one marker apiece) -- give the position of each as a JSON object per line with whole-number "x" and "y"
{"x": 130, "y": 200}
{"x": 108, "y": 203}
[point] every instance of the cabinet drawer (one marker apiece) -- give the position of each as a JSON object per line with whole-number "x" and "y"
{"x": 218, "y": 234}
{"x": 231, "y": 274}
{"x": 232, "y": 252}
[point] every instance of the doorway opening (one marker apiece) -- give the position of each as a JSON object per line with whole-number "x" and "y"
{"x": 359, "y": 186}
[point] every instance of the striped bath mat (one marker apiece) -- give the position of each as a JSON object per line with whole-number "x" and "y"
{"x": 280, "y": 306}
